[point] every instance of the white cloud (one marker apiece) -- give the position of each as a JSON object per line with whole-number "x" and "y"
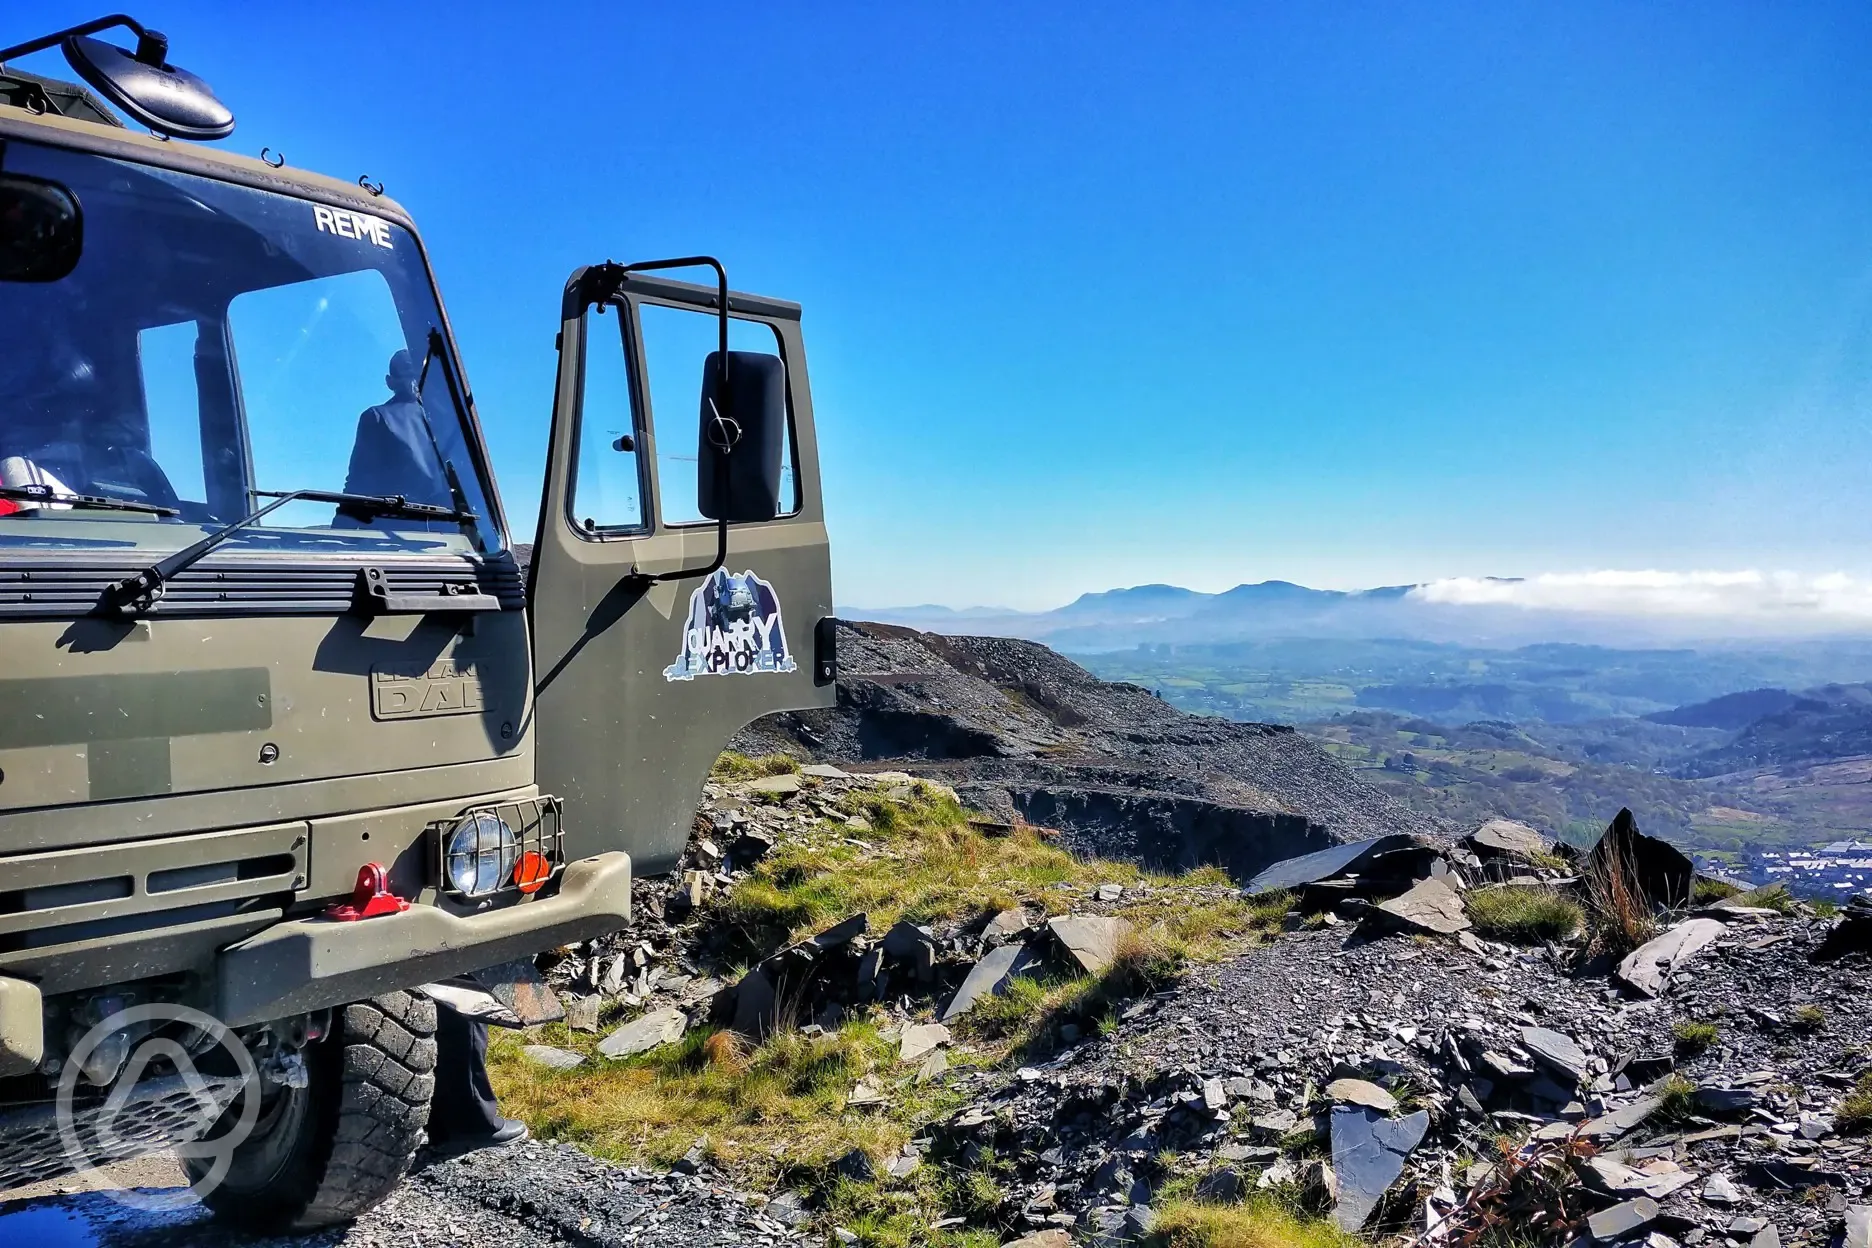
{"x": 1792, "y": 599}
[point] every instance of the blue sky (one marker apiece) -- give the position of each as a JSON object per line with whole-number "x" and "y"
{"x": 1102, "y": 294}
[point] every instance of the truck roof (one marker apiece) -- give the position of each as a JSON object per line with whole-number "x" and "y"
{"x": 81, "y": 121}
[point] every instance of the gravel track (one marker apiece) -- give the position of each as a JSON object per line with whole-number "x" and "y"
{"x": 531, "y": 1196}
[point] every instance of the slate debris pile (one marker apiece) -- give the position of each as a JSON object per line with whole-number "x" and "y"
{"x": 672, "y": 970}
{"x": 1377, "y": 1062}
{"x": 1446, "y": 1090}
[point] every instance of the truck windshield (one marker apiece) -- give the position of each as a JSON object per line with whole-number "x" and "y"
{"x": 216, "y": 341}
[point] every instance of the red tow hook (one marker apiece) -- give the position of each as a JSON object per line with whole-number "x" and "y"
{"x": 370, "y": 898}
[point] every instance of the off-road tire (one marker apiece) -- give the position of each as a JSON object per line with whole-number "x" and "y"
{"x": 325, "y": 1153}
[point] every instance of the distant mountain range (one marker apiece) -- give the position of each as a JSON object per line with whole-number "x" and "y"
{"x": 1120, "y": 619}
{"x": 1814, "y": 725}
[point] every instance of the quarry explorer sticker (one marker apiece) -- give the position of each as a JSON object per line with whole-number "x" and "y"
{"x": 734, "y": 629}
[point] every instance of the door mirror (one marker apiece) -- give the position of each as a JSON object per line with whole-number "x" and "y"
{"x": 738, "y": 477}
{"x": 41, "y": 229}
{"x": 144, "y": 85}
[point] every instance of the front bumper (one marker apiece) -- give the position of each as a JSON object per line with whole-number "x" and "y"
{"x": 311, "y": 964}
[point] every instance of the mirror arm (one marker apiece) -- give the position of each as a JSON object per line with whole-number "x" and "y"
{"x": 604, "y": 283}
{"x": 152, "y": 46}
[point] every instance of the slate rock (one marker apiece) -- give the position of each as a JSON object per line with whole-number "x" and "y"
{"x": 1324, "y": 864}
{"x": 1505, "y": 837}
{"x": 856, "y": 1166}
{"x": 1221, "y": 1186}
{"x": 1727, "y": 1100}
{"x": 1090, "y": 940}
{"x": 1052, "y": 1237}
{"x": 1646, "y": 968}
{"x": 1857, "y": 1231}
{"x": 1006, "y": 926}
{"x": 1656, "y": 868}
{"x": 841, "y": 933}
{"x": 658, "y": 1027}
{"x": 1361, "y": 1092}
{"x": 1274, "y": 1125}
{"x": 1557, "y": 1052}
{"x": 553, "y": 1059}
{"x": 582, "y": 1013}
{"x": 1767, "y": 1237}
{"x": 754, "y": 1004}
{"x": 1721, "y": 1190}
{"x": 1430, "y": 906}
{"x": 1368, "y": 1155}
{"x": 919, "y": 1040}
{"x": 1622, "y": 1219}
{"x": 988, "y": 977}
{"x": 787, "y": 1210}
{"x": 825, "y": 771}
{"x": 1619, "y": 1121}
{"x": 782, "y": 785}
{"x": 912, "y": 946}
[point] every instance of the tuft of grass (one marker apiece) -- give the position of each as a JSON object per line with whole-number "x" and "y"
{"x": 1694, "y": 1036}
{"x": 1808, "y": 1018}
{"x": 769, "y": 1111}
{"x": 1525, "y": 915}
{"x": 1621, "y": 914}
{"x": 1770, "y": 897}
{"x": 1679, "y": 1098}
{"x": 1707, "y": 890}
{"x": 1824, "y": 909}
{"x": 1260, "y": 1222}
{"x": 1023, "y": 1018}
{"x": 734, "y": 765}
{"x": 1855, "y": 1112}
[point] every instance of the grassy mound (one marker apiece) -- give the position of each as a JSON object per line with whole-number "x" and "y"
{"x": 1524, "y": 914}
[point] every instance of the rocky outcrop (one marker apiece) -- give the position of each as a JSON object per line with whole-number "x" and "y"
{"x": 1022, "y": 733}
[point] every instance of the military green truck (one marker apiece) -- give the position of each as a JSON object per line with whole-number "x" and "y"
{"x": 287, "y": 730}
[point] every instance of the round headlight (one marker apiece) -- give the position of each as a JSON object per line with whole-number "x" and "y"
{"x": 482, "y": 851}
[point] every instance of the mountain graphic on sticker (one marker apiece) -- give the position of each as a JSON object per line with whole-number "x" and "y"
{"x": 734, "y": 629}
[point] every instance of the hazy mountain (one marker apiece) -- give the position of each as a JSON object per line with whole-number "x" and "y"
{"x": 1732, "y": 711}
{"x": 1121, "y": 619}
{"x": 1830, "y": 722}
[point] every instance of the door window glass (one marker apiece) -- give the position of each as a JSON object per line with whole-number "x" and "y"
{"x": 607, "y": 482}
{"x": 676, "y": 345}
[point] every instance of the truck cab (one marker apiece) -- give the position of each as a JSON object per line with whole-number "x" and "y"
{"x": 291, "y": 724}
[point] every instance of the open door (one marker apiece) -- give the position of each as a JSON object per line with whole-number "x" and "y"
{"x": 647, "y": 658}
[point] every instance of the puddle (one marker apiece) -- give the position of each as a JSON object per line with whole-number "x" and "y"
{"x": 94, "y": 1220}
{"x": 48, "y": 1226}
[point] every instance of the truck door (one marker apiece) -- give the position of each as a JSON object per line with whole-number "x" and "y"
{"x": 646, "y": 658}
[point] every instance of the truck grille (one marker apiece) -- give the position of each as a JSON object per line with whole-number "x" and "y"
{"x": 66, "y": 896}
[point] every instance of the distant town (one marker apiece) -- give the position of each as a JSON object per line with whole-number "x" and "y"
{"x": 1838, "y": 869}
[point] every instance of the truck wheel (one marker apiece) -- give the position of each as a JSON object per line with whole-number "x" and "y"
{"x": 327, "y": 1152}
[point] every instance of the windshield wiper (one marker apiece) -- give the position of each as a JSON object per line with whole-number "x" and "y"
{"x": 141, "y": 592}
{"x": 87, "y": 502}
{"x": 439, "y": 348}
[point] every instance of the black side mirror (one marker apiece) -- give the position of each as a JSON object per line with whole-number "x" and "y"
{"x": 743, "y": 438}
{"x": 143, "y": 83}
{"x": 41, "y": 229}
